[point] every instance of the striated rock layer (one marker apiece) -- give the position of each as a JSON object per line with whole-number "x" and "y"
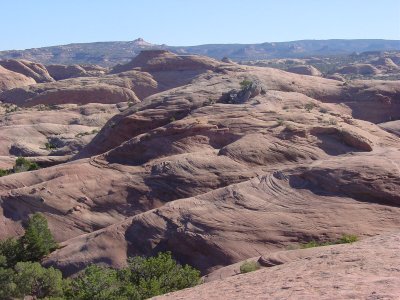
{"x": 215, "y": 162}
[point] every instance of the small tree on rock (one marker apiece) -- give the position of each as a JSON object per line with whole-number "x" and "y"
{"x": 37, "y": 241}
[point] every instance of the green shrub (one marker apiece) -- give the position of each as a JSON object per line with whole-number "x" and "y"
{"x": 22, "y": 164}
{"x": 7, "y": 285}
{"x": 348, "y": 238}
{"x": 142, "y": 279}
{"x": 345, "y": 239}
{"x": 50, "y": 146}
{"x": 309, "y": 106}
{"x": 4, "y": 172}
{"x": 249, "y": 266}
{"x": 245, "y": 84}
{"x": 160, "y": 274}
{"x": 22, "y": 275}
{"x": 31, "y": 279}
{"x": 37, "y": 241}
{"x": 95, "y": 282}
{"x": 11, "y": 251}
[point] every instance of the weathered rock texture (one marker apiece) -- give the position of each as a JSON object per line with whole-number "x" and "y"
{"x": 10, "y": 80}
{"x": 364, "y": 270}
{"x": 216, "y": 162}
{"x": 30, "y": 69}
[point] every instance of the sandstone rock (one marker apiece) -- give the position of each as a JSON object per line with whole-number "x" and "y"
{"x": 214, "y": 182}
{"x": 227, "y": 60}
{"x": 10, "y": 80}
{"x": 78, "y": 91}
{"x": 384, "y": 62}
{"x": 305, "y": 70}
{"x": 336, "y": 76}
{"x": 30, "y": 69}
{"x": 362, "y": 69}
{"x": 327, "y": 272}
{"x": 59, "y": 72}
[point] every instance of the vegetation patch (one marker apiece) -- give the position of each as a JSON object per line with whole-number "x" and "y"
{"x": 50, "y": 146}
{"x": 249, "y": 266}
{"x": 94, "y": 131}
{"x": 345, "y": 239}
{"x": 309, "y": 106}
{"x": 245, "y": 84}
{"x": 21, "y": 165}
{"x": 21, "y": 274}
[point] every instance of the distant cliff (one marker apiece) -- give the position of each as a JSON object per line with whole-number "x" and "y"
{"x": 111, "y": 53}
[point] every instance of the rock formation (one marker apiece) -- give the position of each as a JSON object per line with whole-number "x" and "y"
{"x": 213, "y": 161}
{"x": 30, "y": 69}
{"x": 305, "y": 70}
{"x": 10, "y": 80}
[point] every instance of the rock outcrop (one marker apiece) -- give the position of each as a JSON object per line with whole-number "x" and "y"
{"x": 60, "y": 72}
{"x": 305, "y": 70}
{"x": 30, "y": 69}
{"x": 361, "y": 69}
{"x": 10, "y": 80}
{"x": 215, "y": 162}
{"x": 363, "y": 270}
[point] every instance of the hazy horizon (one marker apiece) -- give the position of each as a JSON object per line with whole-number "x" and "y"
{"x": 233, "y": 43}
{"x": 190, "y": 23}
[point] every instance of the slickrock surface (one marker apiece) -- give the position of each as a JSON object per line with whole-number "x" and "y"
{"x": 364, "y": 270}
{"x": 305, "y": 70}
{"x": 10, "y": 80}
{"x": 30, "y": 69}
{"x": 216, "y": 162}
{"x": 25, "y": 131}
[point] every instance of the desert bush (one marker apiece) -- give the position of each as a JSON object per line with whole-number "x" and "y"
{"x": 7, "y": 285}
{"x": 348, "y": 238}
{"x": 309, "y": 106}
{"x": 22, "y": 164}
{"x": 95, "y": 282}
{"x": 50, "y": 146}
{"x": 11, "y": 251}
{"x": 94, "y": 131}
{"x": 142, "y": 279}
{"x": 22, "y": 275}
{"x": 31, "y": 279}
{"x": 344, "y": 239}
{"x": 245, "y": 84}
{"x": 249, "y": 266}
{"x": 37, "y": 241}
{"x": 4, "y": 172}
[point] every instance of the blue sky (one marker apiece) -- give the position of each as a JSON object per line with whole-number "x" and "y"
{"x": 37, "y": 23}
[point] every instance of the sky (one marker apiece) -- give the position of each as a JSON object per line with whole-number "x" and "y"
{"x": 38, "y": 23}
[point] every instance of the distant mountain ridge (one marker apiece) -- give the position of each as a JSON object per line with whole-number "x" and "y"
{"x": 112, "y": 53}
